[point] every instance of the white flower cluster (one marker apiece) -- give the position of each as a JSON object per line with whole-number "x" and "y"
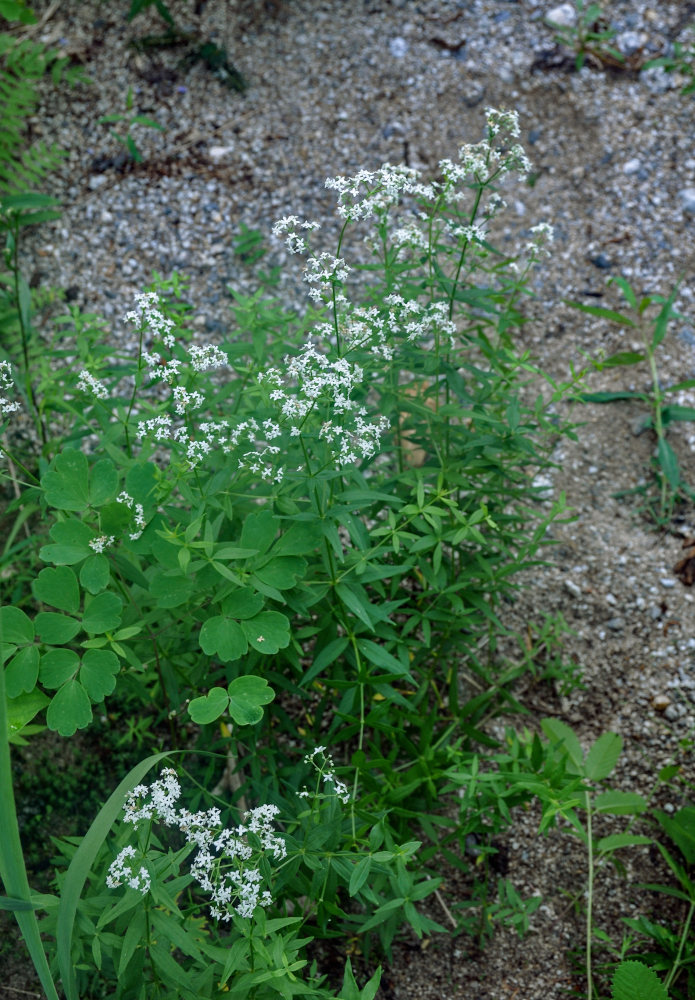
{"x": 326, "y": 771}
{"x": 7, "y": 385}
{"x": 170, "y": 370}
{"x": 289, "y": 226}
{"x": 101, "y": 543}
{"x": 138, "y": 514}
{"x": 318, "y": 379}
{"x": 373, "y": 192}
{"x": 324, "y": 270}
{"x": 225, "y": 865}
{"x": 88, "y": 383}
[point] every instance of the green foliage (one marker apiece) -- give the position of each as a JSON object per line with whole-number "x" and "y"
{"x": 671, "y": 487}
{"x": 682, "y": 61}
{"x": 588, "y": 35}
{"x": 634, "y": 981}
{"x": 130, "y": 120}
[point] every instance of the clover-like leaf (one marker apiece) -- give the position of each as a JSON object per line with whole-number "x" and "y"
{"x": 282, "y": 572}
{"x": 55, "y": 629}
{"x": 58, "y": 666}
{"x": 97, "y": 674}
{"x": 58, "y": 587}
{"x": 209, "y": 707}
{"x": 267, "y": 632}
{"x": 247, "y": 695}
{"x": 15, "y": 626}
{"x": 71, "y": 546}
{"x": 222, "y": 636}
{"x": 102, "y": 614}
{"x": 66, "y": 484}
{"x": 69, "y": 710}
{"x": 103, "y": 482}
{"x": 22, "y": 710}
{"x": 22, "y": 671}
{"x": 95, "y": 573}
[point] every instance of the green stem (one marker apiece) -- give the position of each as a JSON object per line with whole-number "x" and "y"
{"x": 589, "y": 901}
{"x": 675, "y": 968}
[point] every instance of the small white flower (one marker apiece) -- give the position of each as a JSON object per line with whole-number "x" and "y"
{"x": 101, "y": 543}
{"x": 87, "y": 383}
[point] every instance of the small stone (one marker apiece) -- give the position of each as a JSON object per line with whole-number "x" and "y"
{"x": 616, "y": 624}
{"x": 632, "y": 167}
{"x": 661, "y": 702}
{"x": 565, "y": 15}
{"x": 602, "y": 262}
{"x": 687, "y": 198}
{"x": 631, "y": 42}
{"x": 398, "y": 47}
{"x": 611, "y": 599}
{"x": 217, "y": 153}
{"x": 668, "y": 583}
{"x": 655, "y": 612}
{"x": 671, "y": 713}
{"x": 572, "y": 588}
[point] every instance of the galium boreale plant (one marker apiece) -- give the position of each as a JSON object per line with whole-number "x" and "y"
{"x": 322, "y": 513}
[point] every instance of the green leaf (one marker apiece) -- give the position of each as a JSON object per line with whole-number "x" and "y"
{"x": 15, "y": 626}
{"x": 57, "y": 666}
{"x": 355, "y": 602}
{"x": 247, "y": 695}
{"x": 95, "y": 573}
{"x": 259, "y": 530}
{"x": 616, "y": 840}
{"x": 609, "y": 397}
{"x": 636, "y": 981}
{"x": 66, "y": 483}
{"x": 22, "y": 710}
{"x": 350, "y": 989}
{"x": 103, "y": 482}
{"x": 97, "y": 674}
{"x": 668, "y": 462}
{"x": 222, "y": 636}
{"x": 623, "y": 358}
{"x": 267, "y": 632}
{"x": 171, "y": 588}
{"x": 559, "y": 732}
{"x": 600, "y": 311}
{"x": 55, "y": 629}
{"x": 381, "y": 658}
{"x": 72, "y": 539}
{"x": 681, "y": 829}
{"x": 299, "y": 540}
{"x": 209, "y": 707}
{"x": 114, "y": 519}
{"x": 102, "y": 613}
{"x": 282, "y": 572}
{"x": 22, "y": 671}
{"x": 603, "y": 756}
{"x": 620, "y": 803}
{"x": 360, "y": 874}
{"x": 69, "y": 710}
{"x": 243, "y": 603}
{"x": 329, "y": 654}
{"x": 58, "y": 587}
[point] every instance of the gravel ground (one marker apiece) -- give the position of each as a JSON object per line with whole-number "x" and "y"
{"x": 343, "y": 84}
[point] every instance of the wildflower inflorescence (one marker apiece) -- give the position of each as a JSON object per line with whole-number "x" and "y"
{"x": 325, "y": 768}
{"x": 7, "y": 385}
{"x": 226, "y": 863}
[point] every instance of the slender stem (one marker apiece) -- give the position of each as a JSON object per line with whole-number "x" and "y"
{"x": 675, "y": 968}
{"x": 589, "y": 901}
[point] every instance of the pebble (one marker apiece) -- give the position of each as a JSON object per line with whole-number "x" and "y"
{"x": 615, "y": 624}
{"x": 632, "y": 166}
{"x": 661, "y": 702}
{"x": 565, "y": 15}
{"x": 667, "y": 582}
{"x": 687, "y": 198}
{"x": 572, "y": 588}
{"x": 398, "y": 47}
{"x": 674, "y": 712}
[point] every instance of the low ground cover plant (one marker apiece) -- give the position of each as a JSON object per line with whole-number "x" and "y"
{"x": 287, "y": 554}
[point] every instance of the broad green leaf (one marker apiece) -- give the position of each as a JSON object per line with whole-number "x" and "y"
{"x": 636, "y": 981}
{"x": 171, "y": 588}
{"x": 267, "y": 632}
{"x": 97, "y": 673}
{"x": 247, "y": 695}
{"x": 603, "y": 756}
{"x": 95, "y": 573}
{"x": 616, "y": 840}
{"x": 668, "y": 463}
{"x": 55, "y": 629}
{"x": 102, "y": 613}
{"x": 66, "y": 483}
{"x": 620, "y": 803}
{"x": 114, "y": 519}
{"x": 299, "y": 540}
{"x": 57, "y": 666}
{"x": 558, "y": 731}
{"x": 381, "y": 658}
{"x": 69, "y": 710}
{"x": 282, "y": 571}
{"x": 103, "y": 484}
{"x": 360, "y": 874}
{"x": 58, "y": 587}
{"x": 223, "y": 637}
{"x": 243, "y": 603}
{"x": 72, "y": 539}
{"x": 15, "y": 626}
{"x": 22, "y": 710}
{"x": 22, "y": 671}
{"x": 681, "y": 829}
{"x": 259, "y": 530}
{"x": 674, "y": 411}
{"x": 209, "y": 707}
{"x": 141, "y": 481}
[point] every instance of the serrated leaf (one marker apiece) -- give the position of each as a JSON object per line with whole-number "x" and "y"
{"x": 55, "y": 629}
{"x": 15, "y": 626}
{"x": 603, "y": 756}
{"x": 22, "y": 671}
{"x": 102, "y": 613}
{"x": 636, "y": 981}
{"x": 57, "y": 666}
{"x": 69, "y": 710}
{"x": 247, "y": 695}
{"x": 209, "y": 707}
{"x": 620, "y": 803}
{"x": 97, "y": 673}
{"x": 222, "y": 636}
{"x": 559, "y": 732}
{"x": 58, "y": 587}
{"x": 267, "y": 632}
{"x": 95, "y": 573}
